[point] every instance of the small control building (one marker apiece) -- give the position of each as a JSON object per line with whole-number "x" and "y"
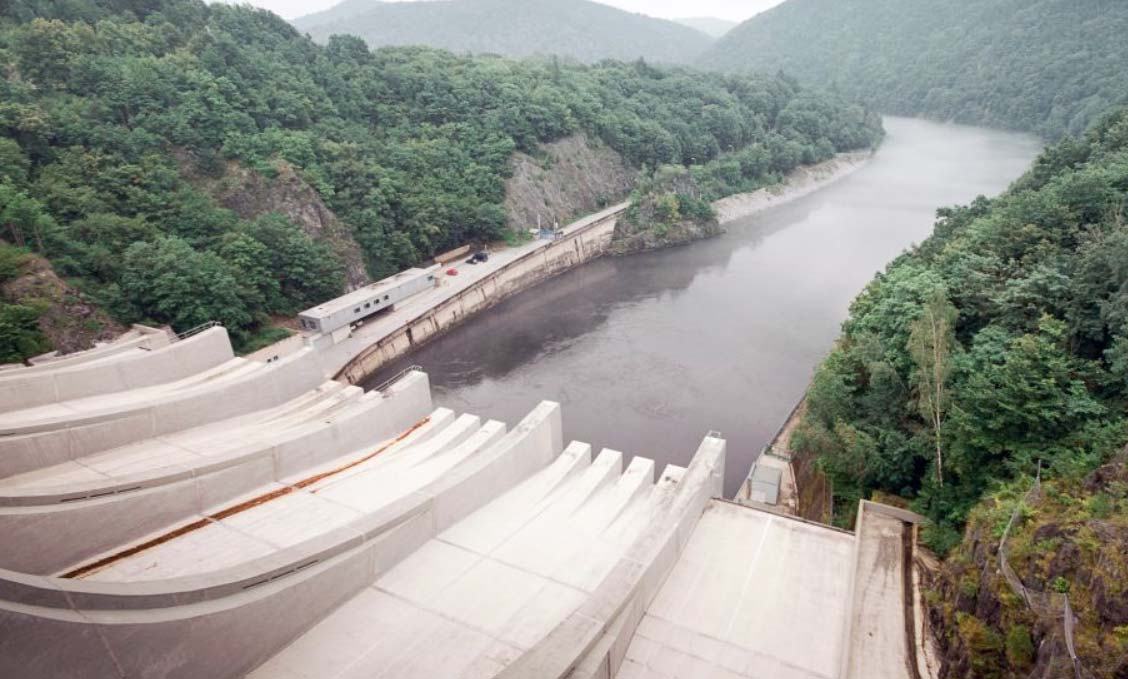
{"x": 363, "y": 302}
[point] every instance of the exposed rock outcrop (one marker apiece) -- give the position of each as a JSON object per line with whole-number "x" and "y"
{"x": 249, "y": 194}
{"x": 630, "y": 238}
{"x": 666, "y": 210}
{"x": 572, "y": 177}
{"x": 1072, "y": 538}
{"x": 69, "y": 320}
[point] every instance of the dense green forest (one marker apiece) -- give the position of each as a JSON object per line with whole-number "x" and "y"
{"x": 574, "y": 29}
{"x": 998, "y": 346}
{"x": 118, "y": 118}
{"x": 1047, "y": 66}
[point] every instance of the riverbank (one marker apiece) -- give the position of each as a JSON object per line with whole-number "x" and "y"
{"x": 723, "y": 335}
{"x": 369, "y": 348}
{"x": 798, "y": 183}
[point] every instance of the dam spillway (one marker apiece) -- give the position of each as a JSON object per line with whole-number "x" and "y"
{"x": 253, "y": 519}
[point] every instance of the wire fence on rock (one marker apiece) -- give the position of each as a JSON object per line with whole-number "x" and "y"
{"x": 1058, "y": 654}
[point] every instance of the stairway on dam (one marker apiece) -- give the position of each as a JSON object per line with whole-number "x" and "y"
{"x": 242, "y": 518}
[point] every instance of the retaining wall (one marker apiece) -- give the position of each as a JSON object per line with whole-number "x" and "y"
{"x": 138, "y": 336}
{"x": 582, "y": 245}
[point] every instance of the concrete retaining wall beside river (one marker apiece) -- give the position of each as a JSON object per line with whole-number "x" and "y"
{"x": 575, "y": 248}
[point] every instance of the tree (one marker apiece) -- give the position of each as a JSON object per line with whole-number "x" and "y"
{"x": 20, "y": 336}
{"x": 169, "y": 282}
{"x": 931, "y": 338}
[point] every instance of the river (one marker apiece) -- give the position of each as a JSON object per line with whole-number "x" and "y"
{"x": 650, "y": 352}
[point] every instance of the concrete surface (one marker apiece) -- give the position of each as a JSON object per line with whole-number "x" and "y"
{"x": 139, "y": 336}
{"x": 204, "y": 627}
{"x": 116, "y": 371}
{"x": 494, "y": 586}
{"x": 753, "y": 595}
{"x": 69, "y": 512}
{"x": 39, "y": 437}
{"x": 876, "y": 645}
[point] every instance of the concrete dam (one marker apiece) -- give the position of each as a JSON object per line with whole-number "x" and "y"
{"x": 170, "y": 510}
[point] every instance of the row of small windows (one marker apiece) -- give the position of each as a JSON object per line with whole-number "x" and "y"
{"x": 368, "y": 305}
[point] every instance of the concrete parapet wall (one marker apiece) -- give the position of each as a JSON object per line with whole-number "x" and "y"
{"x": 224, "y": 623}
{"x": 118, "y": 371}
{"x": 874, "y": 641}
{"x": 191, "y": 403}
{"x": 57, "y": 528}
{"x": 582, "y": 245}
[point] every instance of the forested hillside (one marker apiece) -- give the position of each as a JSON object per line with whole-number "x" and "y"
{"x": 138, "y": 141}
{"x": 1047, "y": 66}
{"x": 995, "y": 352}
{"x": 999, "y": 343}
{"x": 576, "y": 29}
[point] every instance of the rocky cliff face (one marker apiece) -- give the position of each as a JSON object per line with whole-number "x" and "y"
{"x": 631, "y": 238}
{"x": 249, "y": 194}
{"x": 1072, "y": 538}
{"x": 69, "y": 320}
{"x": 568, "y": 179}
{"x": 666, "y": 209}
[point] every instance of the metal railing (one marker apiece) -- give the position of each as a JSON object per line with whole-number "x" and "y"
{"x": 198, "y": 329}
{"x": 386, "y": 384}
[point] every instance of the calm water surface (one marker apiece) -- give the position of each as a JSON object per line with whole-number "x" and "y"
{"x": 648, "y": 353}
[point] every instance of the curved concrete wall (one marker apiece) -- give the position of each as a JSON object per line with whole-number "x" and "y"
{"x": 58, "y": 436}
{"x": 58, "y": 527}
{"x": 223, "y": 624}
{"x": 140, "y": 336}
{"x": 119, "y": 371}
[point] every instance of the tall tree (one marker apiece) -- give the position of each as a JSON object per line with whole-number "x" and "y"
{"x": 931, "y": 338}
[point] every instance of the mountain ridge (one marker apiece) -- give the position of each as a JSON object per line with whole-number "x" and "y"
{"x": 579, "y": 29}
{"x": 1051, "y": 67}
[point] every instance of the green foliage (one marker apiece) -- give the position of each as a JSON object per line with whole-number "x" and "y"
{"x": 115, "y": 117}
{"x": 168, "y": 281}
{"x": 20, "y": 336}
{"x": 1031, "y": 294}
{"x": 12, "y": 260}
{"x": 1020, "y": 647}
{"x": 263, "y": 338}
{"x": 1048, "y": 66}
{"x": 983, "y": 643}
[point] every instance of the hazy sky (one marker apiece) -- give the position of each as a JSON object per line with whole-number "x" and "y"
{"x": 736, "y": 10}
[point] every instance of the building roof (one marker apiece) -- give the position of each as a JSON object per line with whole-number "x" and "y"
{"x": 361, "y": 295}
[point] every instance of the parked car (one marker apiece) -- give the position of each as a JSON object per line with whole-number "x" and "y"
{"x": 480, "y": 256}
{"x": 452, "y": 272}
